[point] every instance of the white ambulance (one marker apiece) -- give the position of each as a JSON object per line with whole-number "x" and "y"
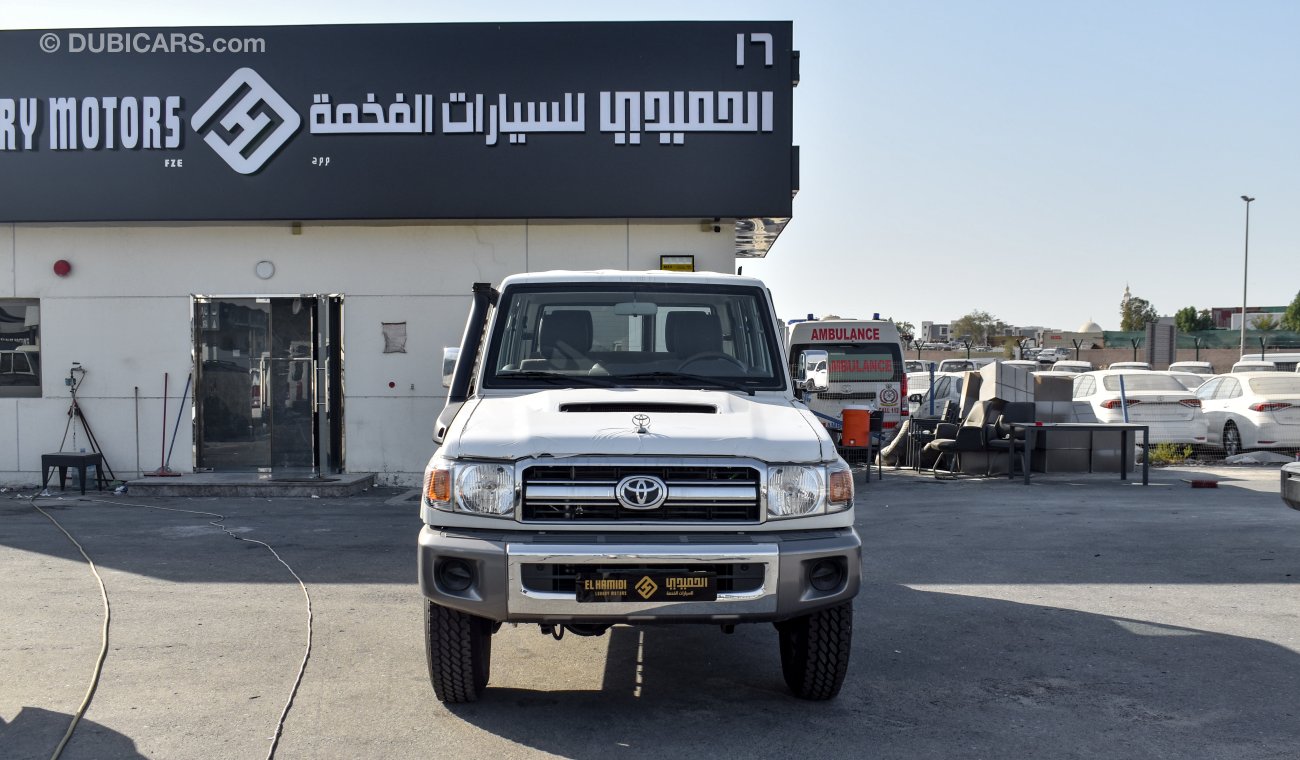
{"x": 863, "y": 367}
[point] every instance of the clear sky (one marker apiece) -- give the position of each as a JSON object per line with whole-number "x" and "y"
{"x": 1022, "y": 157}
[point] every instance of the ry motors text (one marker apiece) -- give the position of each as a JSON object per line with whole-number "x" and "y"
{"x": 130, "y": 123}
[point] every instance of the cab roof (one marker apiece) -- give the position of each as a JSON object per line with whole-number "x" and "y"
{"x": 625, "y": 276}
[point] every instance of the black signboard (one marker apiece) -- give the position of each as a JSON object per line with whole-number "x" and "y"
{"x": 412, "y": 121}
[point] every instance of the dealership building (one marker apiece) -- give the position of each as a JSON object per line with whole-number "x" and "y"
{"x": 280, "y": 226}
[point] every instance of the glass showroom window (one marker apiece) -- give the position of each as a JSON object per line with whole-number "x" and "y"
{"x": 20, "y": 347}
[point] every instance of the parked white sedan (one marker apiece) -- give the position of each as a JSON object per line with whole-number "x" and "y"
{"x": 1252, "y": 410}
{"x": 1199, "y": 367}
{"x": 1249, "y": 365}
{"x": 1071, "y": 366}
{"x": 947, "y": 387}
{"x": 1155, "y": 399}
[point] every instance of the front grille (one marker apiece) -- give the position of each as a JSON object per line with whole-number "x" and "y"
{"x": 731, "y": 577}
{"x": 585, "y": 493}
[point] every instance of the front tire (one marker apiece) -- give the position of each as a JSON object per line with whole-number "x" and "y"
{"x": 815, "y": 651}
{"x": 458, "y": 647}
{"x": 1231, "y": 440}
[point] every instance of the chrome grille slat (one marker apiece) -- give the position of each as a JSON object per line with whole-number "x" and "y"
{"x": 696, "y": 493}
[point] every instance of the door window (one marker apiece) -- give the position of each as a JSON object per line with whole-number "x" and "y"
{"x": 1207, "y": 391}
{"x": 1229, "y": 389}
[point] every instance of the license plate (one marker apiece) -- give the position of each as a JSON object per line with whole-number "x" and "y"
{"x": 647, "y": 587}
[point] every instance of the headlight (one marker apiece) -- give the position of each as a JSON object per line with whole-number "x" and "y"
{"x": 486, "y": 489}
{"x": 793, "y": 491}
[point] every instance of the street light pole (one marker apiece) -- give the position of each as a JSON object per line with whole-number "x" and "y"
{"x": 1245, "y": 262}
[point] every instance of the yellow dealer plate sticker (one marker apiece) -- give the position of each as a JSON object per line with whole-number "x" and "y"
{"x": 647, "y": 587}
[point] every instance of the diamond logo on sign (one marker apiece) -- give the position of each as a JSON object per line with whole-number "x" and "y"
{"x": 646, "y": 587}
{"x": 245, "y": 121}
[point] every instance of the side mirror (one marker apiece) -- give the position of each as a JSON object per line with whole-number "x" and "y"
{"x": 449, "y": 356}
{"x": 815, "y": 377}
{"x": 915, "y": 398}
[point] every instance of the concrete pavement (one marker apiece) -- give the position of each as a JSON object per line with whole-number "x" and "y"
{"x": 1076, "y": 617}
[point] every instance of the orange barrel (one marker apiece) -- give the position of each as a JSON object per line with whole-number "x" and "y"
{"x": 857, "y": 426}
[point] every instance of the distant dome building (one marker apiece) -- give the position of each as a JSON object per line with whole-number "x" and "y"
{"x": 1089, "y": 335}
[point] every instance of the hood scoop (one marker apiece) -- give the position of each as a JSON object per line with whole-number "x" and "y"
{"x": 634, "y": 408}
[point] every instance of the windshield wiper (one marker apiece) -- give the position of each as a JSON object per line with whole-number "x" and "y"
{"x": 557, "y": 378}
{"x": 716, "y": 382}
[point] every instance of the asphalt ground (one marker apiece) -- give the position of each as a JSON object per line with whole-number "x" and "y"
{"x": 1078, "y": 617}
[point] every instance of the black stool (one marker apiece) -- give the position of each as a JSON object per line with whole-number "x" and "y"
{"x": 81, "y": 460}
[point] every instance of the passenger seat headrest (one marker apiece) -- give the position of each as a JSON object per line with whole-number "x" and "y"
{"x": 571, "y": 327}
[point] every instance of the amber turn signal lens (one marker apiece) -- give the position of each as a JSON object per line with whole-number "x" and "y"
{"x": 437, "y": 485}
{"x": 841, "y": 487}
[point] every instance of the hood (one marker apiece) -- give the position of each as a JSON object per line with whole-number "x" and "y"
{"x": 599, "y": 422}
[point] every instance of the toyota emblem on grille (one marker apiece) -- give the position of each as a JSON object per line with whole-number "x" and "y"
{"x": 641, "y": 492}
{"x": 642, "y": 422}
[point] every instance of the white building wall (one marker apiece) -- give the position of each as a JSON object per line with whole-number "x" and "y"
{"x": 124, "y": 313}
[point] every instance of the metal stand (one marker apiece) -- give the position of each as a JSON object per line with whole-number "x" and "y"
{"x": 75, "y": 415}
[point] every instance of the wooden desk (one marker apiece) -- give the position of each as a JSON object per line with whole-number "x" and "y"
{"x": 81, "y": 460}
{"x": 1126, "y": 432}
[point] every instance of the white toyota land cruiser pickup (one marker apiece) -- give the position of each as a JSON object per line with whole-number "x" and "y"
{"x": 626, "y": 448}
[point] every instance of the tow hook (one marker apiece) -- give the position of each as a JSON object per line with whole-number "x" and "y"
{"x": 556, "y": 631}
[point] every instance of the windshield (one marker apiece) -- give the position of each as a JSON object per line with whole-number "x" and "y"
{"x": 1142, "y": 382}
{"x": 1190, "y": 380}
{"x": 859, "y": 362}
{"x": 634, "y": 335}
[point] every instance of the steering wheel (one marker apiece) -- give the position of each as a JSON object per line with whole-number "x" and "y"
{"x": 706, "y": 355}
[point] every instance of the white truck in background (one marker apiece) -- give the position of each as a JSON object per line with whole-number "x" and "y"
{"x": 626, "y": 448}
{"x": 863, "y": 362}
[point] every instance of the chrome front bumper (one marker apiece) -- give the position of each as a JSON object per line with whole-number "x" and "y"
{"x": 500, "y": 591}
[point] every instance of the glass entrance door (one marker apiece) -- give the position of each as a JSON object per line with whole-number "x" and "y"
{"x": 255, "y": 390}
